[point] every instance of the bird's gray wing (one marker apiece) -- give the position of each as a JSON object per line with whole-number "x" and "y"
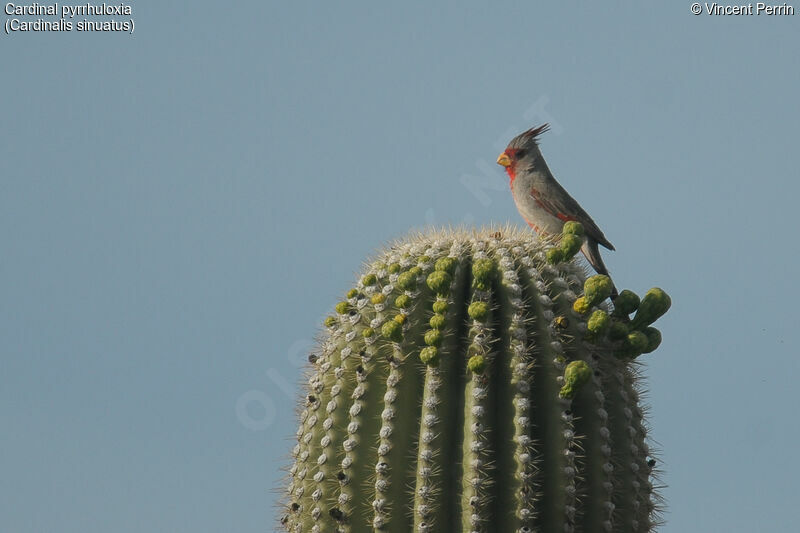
{"x": 557, "y": 201}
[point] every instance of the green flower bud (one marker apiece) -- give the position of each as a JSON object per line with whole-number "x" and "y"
{"x": 407, "y": 281}
{"x": 439, "y": 282}
{"x": 483, "y": 272}
{"x": 330, "y": 321}
{"x": 637, "y": 342}
{"x": 437, "y": 321}
{"x": 634, "y": 344}
{"x": 555, "y": 256}
{"x": 400, "y": 319}
{"x": 369, "y": 279}
{"x": 597, "y": 288}
{"x": 394, "y": 268}
{"x": 392, "y": 330}
{"x": 576, "y": 375}
{"x": 446, "y": 264}
{"x": 402, "y": 301}
{"x": 598, "y": 323}
{"x": 342, "y": 307}
{"x": 478, "y": 311}
{"x": 561, "y": 322}
{"x": 352, "y": 293}
{"x": 570, "y": 244}
{"x": 429, "y": 355}
{"x": 573, "y": 227}
{"x": 581, "y": 305}
{"x": 655, "y": 303}
{"x": 477, "y": 364}
{"x": 368, "y": 332}
{"x": 415, "y": 270}
{"x": 653, "y": 339}
{"x": 378, "y": 298}
{"x": 440, "y": 306}
{"x": 433, "y": 337}
{"x": 626, "y": 303}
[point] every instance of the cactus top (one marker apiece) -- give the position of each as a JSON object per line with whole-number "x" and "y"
{"x": 475, "y": 381}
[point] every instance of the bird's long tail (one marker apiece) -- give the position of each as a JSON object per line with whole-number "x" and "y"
{"x": 591, "y": 250}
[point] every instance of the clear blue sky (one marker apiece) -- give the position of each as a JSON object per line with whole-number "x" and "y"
{"x": 180, "y": 208}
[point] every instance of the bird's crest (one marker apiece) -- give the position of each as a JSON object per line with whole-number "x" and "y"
{"x": 526, "y": 137}
{"x": 533, "y": 133}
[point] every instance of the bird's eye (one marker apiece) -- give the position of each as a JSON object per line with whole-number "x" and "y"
{"x": 519, "y": 154}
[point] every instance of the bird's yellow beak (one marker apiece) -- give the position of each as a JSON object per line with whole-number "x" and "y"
{"x": 504, "y": 160}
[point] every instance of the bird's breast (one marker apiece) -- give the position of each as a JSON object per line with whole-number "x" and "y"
{"x": 534, "y": 210}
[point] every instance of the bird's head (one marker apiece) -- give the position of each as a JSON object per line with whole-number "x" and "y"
{"x": 522, "y": 152}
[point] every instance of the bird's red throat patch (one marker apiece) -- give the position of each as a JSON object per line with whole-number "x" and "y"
{"x": 511, "y": 175}
{"x": 511, "y": 153}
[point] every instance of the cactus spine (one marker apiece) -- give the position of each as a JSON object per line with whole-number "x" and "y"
{"x": 476, "y": 382}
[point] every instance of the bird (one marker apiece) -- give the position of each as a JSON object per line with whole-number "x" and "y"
{"x": 544, "y": 204}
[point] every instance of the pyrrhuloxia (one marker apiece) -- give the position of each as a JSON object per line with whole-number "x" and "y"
{"x": 542, "y": 201}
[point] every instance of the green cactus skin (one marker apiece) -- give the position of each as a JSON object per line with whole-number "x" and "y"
{"x": 486, "y": 434}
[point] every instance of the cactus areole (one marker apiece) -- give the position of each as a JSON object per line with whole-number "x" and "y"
{"x": 474, "y": 382}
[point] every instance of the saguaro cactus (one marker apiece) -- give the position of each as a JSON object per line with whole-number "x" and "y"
{"x": 477, "y": 382}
